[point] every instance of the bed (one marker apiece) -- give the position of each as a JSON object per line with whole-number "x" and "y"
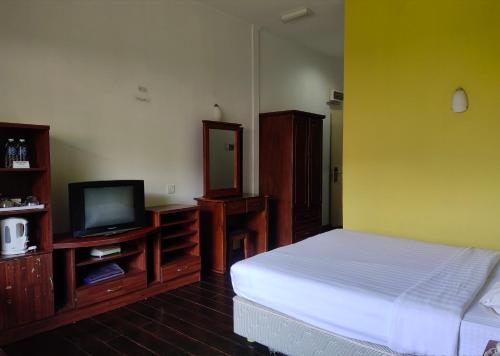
{"x": 346, "y": 292}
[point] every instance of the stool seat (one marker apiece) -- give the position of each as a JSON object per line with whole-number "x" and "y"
{"x": 240, "y": 235}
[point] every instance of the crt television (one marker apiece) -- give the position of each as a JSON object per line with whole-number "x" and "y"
{"x": 106, "y": 207}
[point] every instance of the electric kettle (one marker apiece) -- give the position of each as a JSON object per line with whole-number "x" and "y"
{"x": 14, "y": 236}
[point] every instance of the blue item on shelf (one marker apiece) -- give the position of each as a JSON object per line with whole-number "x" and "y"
{"x": 102, "y": 273}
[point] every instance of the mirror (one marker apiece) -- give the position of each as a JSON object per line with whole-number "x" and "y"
{"x": 221, "y": 159}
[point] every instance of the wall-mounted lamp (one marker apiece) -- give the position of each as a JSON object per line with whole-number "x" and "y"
{"x": 295, "y": 14}
{"x": 459, "y": 101}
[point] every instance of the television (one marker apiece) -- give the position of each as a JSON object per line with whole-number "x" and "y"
{"x": 106, "y": 207}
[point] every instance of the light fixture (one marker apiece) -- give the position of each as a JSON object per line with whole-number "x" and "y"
{"x": 459, "y": 101}
{"x": 295, "y": 14}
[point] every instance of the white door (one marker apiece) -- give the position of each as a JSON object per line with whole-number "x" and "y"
{"x": 336, "y": 167}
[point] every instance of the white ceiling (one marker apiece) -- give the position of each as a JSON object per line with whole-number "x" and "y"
{"x": 322, "y": 31}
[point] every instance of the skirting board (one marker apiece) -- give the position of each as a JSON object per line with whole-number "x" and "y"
{"x": 290, "y": 336}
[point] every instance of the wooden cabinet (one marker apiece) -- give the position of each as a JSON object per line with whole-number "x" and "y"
{"x": 176, "y": 247}
{"x": 291, "y": 146}
{"x": 74, "y": 259}
{"x": 27, "y": 289}
{"x": 26, "y": 281}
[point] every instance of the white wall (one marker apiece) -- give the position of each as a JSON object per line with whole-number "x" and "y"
{"x": 296, "y": 77}
{"x": 77, "y": 65}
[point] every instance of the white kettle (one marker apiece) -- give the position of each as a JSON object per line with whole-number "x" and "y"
{"x": 14, "y": 236}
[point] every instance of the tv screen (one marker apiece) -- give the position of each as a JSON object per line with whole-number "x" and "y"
{"x": 106, "y": 207}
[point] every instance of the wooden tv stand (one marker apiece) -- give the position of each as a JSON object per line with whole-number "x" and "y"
{"x": 148, "y": 270}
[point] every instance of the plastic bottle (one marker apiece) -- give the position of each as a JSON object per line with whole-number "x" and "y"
{"x": 10, "y": 153}
{"x": 22, "y": 150}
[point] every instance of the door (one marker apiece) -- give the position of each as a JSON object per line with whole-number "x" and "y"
{"x": 315, "y": 163}
{"x": 28, "y": 293}
{"x": 336, "y": 168}
{"x": 301, "y": 164}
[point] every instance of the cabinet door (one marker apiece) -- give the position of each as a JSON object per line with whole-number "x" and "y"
{"x": 26, "y": 290}
{"x": 315, "y": 178}
{"x": 301, "y": 165}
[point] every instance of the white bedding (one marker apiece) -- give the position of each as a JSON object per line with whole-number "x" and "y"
{"x": 342, "y": 281}
{"x": 479, "y": 324}
{"x": 426, "y": 318}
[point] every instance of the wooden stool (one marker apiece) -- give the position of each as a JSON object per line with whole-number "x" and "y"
{"x": 239, "y": 235}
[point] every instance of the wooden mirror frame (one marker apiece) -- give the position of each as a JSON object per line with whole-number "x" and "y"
{"x": 237, "y": 174}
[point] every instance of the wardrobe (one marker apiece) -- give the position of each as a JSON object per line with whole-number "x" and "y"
{"x": 290, "y": 172}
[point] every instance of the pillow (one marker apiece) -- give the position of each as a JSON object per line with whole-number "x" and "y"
{"x": 492, "y": 298}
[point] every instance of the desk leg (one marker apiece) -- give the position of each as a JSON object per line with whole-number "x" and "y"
{"x": 258, "y": 222}
{"x": 213, "y": 236}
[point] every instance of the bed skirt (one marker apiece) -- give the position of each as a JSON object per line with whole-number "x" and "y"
{"x": 290, "y": 336}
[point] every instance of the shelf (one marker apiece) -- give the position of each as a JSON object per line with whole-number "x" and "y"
{"x": 182, "y": 259}
{"x": 178, "y": 234}
{"x": 22, "y": 170}
{"x": 101, "y": 240}
{"x": 93, "y": 260}
{"x": 23, "y": 212}
{"x": 131, "y": 273}
{"x": 179, "y": 246}
{"x": 179, "y": 222}
{"x": 172, "y": 208}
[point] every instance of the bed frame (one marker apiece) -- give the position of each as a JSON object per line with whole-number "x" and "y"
{"x": 282, "y": 333}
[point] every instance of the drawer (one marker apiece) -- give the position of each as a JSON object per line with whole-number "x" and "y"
{"x": 307, "y": 216}
{"x": 236, "y": 207}
{"x": 92, "y": 294}
{"x": 255, "y": 204}
{"x": 306, "y": 229}
{"x": 300, "y": 235}
{"x": 180, "y": 267}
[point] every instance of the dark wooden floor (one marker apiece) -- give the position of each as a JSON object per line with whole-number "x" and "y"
{"x": 196, "y": 320}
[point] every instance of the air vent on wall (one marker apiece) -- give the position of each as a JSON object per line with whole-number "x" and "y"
{"x": 336, "y": 97}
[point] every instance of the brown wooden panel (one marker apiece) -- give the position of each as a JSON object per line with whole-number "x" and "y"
{"x": 301, "y": 163}
{"x": 93, "y": 294}
{"x": 255, "y": 204}
{"x": 180, "y": 267}
{"x": 315, "y": 163}
{"x": 301, "y": 216}
{"x": 276, "y": 173}
{"x": 236, "y": 207}
{"x": 27, "y": 290}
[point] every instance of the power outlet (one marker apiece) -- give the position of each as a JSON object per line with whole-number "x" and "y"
{"x": 170, "y": 188}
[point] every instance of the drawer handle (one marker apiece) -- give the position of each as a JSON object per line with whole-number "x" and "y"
{"x": 111, "y": 290}
{"x": 180, "y": 269}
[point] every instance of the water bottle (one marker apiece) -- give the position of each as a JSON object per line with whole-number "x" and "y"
{"x": 22, "y": 150}
{"x": 10, "y": 153}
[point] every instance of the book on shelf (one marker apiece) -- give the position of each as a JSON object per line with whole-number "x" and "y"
{"x": 102, "y": 273}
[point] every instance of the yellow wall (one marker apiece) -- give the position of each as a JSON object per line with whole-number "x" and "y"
{"x": 412, "y": 167}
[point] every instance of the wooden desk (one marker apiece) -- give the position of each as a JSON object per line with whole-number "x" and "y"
{"x": 220, "y": 216}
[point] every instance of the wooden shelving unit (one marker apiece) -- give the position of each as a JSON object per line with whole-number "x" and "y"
{"x": 176, "y": 249}
{"x": 31, "y": 271}
{"x": 75, "y": 262}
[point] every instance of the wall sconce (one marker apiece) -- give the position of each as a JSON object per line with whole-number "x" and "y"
{"x": 459, "y": 101}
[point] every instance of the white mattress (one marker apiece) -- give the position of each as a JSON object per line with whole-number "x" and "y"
{"x": 344, "y": 281}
